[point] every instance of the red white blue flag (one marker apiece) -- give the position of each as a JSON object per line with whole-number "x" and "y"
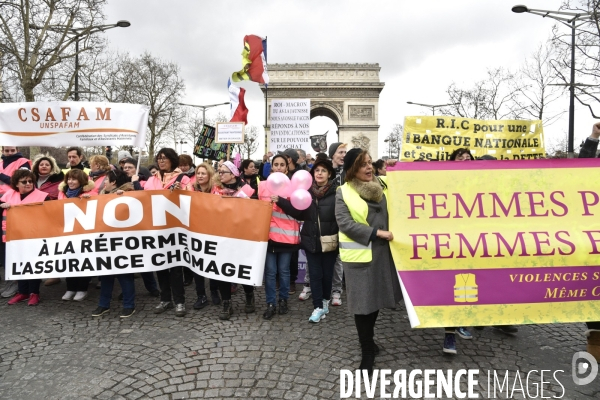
{"x": 237, "y": 106}
{"x": 254, "y": 61}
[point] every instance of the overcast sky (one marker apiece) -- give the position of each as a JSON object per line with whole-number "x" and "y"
{"x": 421, "y": 46}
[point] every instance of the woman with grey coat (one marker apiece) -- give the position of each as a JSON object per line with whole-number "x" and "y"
{"x": 371, "y": 278}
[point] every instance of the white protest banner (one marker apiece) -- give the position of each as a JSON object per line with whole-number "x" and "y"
{"x": 290, "y": 125}
{"x": 73, "y": 123}
{"x": 230, "y": 132}
{"x": 139, "y": 231}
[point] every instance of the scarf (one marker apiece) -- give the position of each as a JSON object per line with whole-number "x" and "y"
{"x": 369, "y": 191}
{"x": 319, "y": 191}
{"x": 42, "y": 179}
{"x": 7, "y": 160}
{"x": 95, "y": 174}
{"x": 74, "y": 192}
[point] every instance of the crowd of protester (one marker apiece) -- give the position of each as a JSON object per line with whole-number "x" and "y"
{"x": 344, "y": 232}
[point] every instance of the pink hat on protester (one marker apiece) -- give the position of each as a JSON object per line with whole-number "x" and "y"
{"x": 231, "y": 167}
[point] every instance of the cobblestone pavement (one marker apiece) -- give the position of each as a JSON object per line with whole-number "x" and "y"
{"x": 58, "y": 351}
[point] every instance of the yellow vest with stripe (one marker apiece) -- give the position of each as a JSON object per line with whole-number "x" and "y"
{"x": 351, "y": 251}
{"x": 465, "y": 288}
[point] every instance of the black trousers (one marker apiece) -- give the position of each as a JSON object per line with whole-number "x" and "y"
{"x": 78, "y": 284}
{"x": 29, "y": 286}
{"x": 201, "y": 289}
{"x": 170, "y": 282}
{"x": 225, "y": 289}
{"x": 365, "y": 326}
{"x": 294, "y": 268}
{"x": 593, "y": 325}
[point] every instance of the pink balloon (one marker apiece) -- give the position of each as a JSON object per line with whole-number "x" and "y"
{"x": 279, "y": 184}
{"x": 301, "y": 199}
{"x": 301, "y": 180}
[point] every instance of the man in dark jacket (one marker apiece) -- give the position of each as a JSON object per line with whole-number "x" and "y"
{"x": 593, "y": 333}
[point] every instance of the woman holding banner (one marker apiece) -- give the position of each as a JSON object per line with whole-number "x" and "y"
{"x": 284, "y": 239}
{"x": 76, "y": 185}
{"x": 250, "y": 176}
{"x": 47, "y": 175}
{"x": 169, "y": 177}
{"x": 319, "y": 222}
{"x": 371, "y": 278}
{"x": 204, "y": 183}
{"x": 230, "y": 184}
{"x": 22, "y": 191}
{"x": 116, "y": 182}
{"x": 99, "y": 168}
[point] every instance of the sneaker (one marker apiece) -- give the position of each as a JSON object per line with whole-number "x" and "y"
{"x": 449, "y": 343}
{"x": 306, "y": 293}
{"x": 52, "y": 281}
{"x": 200, "y": 303}
{"x": 326, "y": 306}
{"x": 317, "y": 315}
{"x": 68, "y": 295}
{"x": 292, "y": 289}
{"x": 34, "y": 299}
{"x": 249, "y": 307}
{"x": 507, "y": 328}
{"x": 11, "y": 288}
{"x": 80, "y": 296}
{"x": 100, "y": 311}
{"x": 155, "y": 293}
{"x": 283, "y": 307}
{"x": 234, "y": 288}
{"x": 270, "y": 311}
{"x": 162, "y": 307}
{"x": 180, "y": 310}
{"x": 214, "y": 297}
{"x": 227, "y": 310}
{"x": 127, "y": 312}
{"x": 464, "y": 333}
{"x": 18, "y": 298}
{"x": 336, "y": 299}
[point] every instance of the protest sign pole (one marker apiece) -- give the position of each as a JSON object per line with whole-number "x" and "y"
{"x": 137, "y": 169}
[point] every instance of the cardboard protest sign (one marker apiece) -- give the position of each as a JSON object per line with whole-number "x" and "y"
{"x": 435, "y": 138}
{"x": 138, "y": 232}
{"x": 497, "y": 243}
{"x": 73, "y": 123}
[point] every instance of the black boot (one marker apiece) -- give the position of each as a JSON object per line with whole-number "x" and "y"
{"x": 227, "y": 310}
{"x": 283, "y": 307}
{"x": 365, "y": 328}
{"x": 249, "y": 308}
{"x": 216, "y": 299}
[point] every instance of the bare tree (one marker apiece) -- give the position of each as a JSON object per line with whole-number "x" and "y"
{"x": 250, "y": 144}
{"x": 394, "y": 141}
{"x": 490, "y": 98}
{"x": 587, "y": 54}
{"x": 36, "y": 36}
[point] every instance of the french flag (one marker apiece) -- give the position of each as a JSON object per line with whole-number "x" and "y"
{"x": 237, "y": 107}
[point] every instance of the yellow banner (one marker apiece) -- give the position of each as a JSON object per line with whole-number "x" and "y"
{"x": 497, "y": 243}
{"x": 435, "y": 138}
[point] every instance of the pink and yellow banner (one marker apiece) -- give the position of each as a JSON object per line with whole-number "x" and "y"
{"x": 496, "y": 243}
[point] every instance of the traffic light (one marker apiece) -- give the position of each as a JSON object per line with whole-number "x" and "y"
{"x": 108, "y": 152}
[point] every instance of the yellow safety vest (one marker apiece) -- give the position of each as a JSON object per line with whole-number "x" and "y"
{"x": 351, "y": 251}
{"x": 465, "y": 288}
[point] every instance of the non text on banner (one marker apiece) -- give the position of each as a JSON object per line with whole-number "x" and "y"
{"x": 436, "y": 137}
{"x": 139, "y": 232}
{"x": 497, "y": 243}
{"x": 290, "y": 125}
{"x": 73, "y": 123}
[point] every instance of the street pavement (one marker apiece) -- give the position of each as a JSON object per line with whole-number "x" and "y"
{"x": 58, "y": 351}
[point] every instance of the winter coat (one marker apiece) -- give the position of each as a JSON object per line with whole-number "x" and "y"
{"x": 310, "y": 233}
{"x": 166, "y": 180}
{"x": 87, "y": 189}
{"x": 51, "y": 184}
{"x": 588, "y": 150}
{"x": 372, "y": 285}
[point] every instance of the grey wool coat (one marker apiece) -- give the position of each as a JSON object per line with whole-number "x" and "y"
{"x": 374, "y": 285}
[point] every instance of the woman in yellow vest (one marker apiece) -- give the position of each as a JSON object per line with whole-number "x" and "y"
{"x": 371, "y": 278}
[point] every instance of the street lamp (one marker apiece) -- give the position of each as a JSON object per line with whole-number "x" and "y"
{"x": 204, "y": 108}
{"x": 433, "y": 107}
{"x": 569, "y": 19}
{"x": 76, "y": 34}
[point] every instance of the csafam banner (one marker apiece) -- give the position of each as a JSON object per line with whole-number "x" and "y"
{"x": 139, "y": 232}
{"x": 497, "y": 243}
{"x": 73, "y": 123}
{"x": 435, "y": 138}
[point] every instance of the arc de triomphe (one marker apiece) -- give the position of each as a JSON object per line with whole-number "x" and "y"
{"x": 346, "y": 93}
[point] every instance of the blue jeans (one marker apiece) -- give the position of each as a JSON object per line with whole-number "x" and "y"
{"x": 149, "y": 281}
{"x": 320, "y": 268}
{"x": 277, "y": 263}
{"x": 127, "y": 286}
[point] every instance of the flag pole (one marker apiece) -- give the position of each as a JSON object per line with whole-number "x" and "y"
{"x": 266, "y": 96}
